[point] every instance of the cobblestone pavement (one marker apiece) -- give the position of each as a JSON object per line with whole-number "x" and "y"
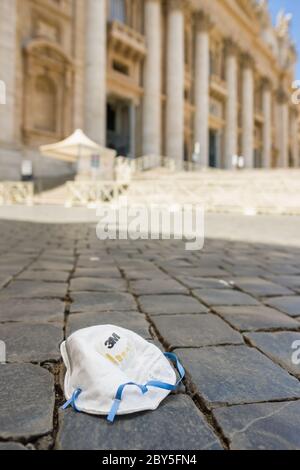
{"x": 231, "y": 312}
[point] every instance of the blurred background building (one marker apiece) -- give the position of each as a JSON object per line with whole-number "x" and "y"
{"x": 147, "y": 77}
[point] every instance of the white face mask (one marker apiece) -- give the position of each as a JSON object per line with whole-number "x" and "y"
{"x": 111, "y": 370}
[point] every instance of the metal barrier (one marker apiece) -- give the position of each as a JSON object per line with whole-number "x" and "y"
{"x": 88, "y": 192}
{"x": 16, "y": 192}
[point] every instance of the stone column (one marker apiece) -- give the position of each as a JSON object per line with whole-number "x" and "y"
{"x": 175, "y": 82}
{"x": 248, "y": 111}
{"x": 231, "y": 126}
{"x": 95, "y": 70}
{"x": 283, "y": 129}
{"x": 132, "y": 121}
{"x": 267, "y": 127}
{"x": 152, "y": 80}
{"x": 8, "y": 67}
{"x": 79, "y": 52}
{"x": 201, "y": 129}
{"x": 295, "y": 136}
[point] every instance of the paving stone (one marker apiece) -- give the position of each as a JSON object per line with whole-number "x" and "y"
{"x": 237, "y": 374}
{"x": 263, "y": 426}
{"x": 46, "y": 276}
{"x": 31, "y": 342}
{"x": 170, "y": 304}
{"x": 224, "y": 297}
{"x": 57, "y": 258}
{"x": 195, "y": 330}
{"x": 134, "y": 321}
{"x": 250, "y": 318}
{"x": 101, "y": 302}
{"x": 130, "y": 263}
{"x": 244, "y": 270}
{"x": 278, "y": 347}
{"x": 92, "y": 261}
{"x": 176, "y": 262}
{"x": 142, "y": 274}
{"x": 89, "y": 284}
{"x": 11, "y": 446}
{"x": 200, "y": 272}
{"x": 35, "y": 289}
{"x": 282, "y": 268}
{"x": 31, "y": 310}
{"x": 47, "y": 265}
{"x": 157, "y": 286}
{"x": 204, "y": 283}
{"x": 142, "y": 431}
{"x": 26, "y": 401}
{"x": 289, "y": 305}
{"x": 4, "y": 279}
{"x": 6, "y": 271}
{"x": 12, "y": 269}
{"x": 103, "y": 272}
{"x": 260, "y": 287}
{"x": 293, "y": 282}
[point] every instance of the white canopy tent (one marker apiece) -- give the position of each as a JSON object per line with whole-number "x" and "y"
{"x": 72, "y": 148}
{"x": 78, "y": 148}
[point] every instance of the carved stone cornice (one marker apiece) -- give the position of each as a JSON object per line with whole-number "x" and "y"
{"x": 203, "y": 22}
{"x": 177, "y": 4}
{"x": 266, "y": 84}
{"x": 282, "y": 96}
{"x": 231, "y": 48}
{"x": 247, "y": 61}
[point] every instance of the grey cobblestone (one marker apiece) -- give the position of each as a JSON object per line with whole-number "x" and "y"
{"x": 101, "y": 302}
{"x": 237, "y": 374}
{"x": 89, "y": 284}
{"x": 203, "y": 282}
{"x": 260, "y": 287}
{"x": 278, "y": 346}
{"x": 31, "y": 342}
{"x": 58, "y": 278}
{"x": 26, "y": 401}
{"x": 289, "y": 305}
{"x": 157, "y": 286}
{"x": 265, "y": 426}
{"x": 214, "y": 297}
{"x": 188, "y": 431}
{"x": 250, "y": 318}
{"x": 47, "y": 276}
{"x": 195, "y": 330}
{"x": 35, "y": 290}
{"x": 131, "y": 320}
{"x": 290, "y": 281}
{"x": 170, "y": 304}
{"x": 31, "y": 310}
{"x": 103, "y": 272}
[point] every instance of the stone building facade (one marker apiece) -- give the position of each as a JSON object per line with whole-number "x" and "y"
{"x": 147, "y": 77}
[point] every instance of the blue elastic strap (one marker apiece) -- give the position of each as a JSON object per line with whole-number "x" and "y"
{"x": 118, "y": 398}
{"x": 144, "y": 388}
{"x": 178, "y": 365}
{"x": 72, "y": 400}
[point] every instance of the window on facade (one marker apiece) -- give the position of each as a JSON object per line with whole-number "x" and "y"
{"x": 120, "y": 67}
{"x": 117, "y": 10}
{"x": 258, "y": 100}
{"x": 111, "y": 118}
{"x": 44, "y": 109}
{"x": 214, "y": 63}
